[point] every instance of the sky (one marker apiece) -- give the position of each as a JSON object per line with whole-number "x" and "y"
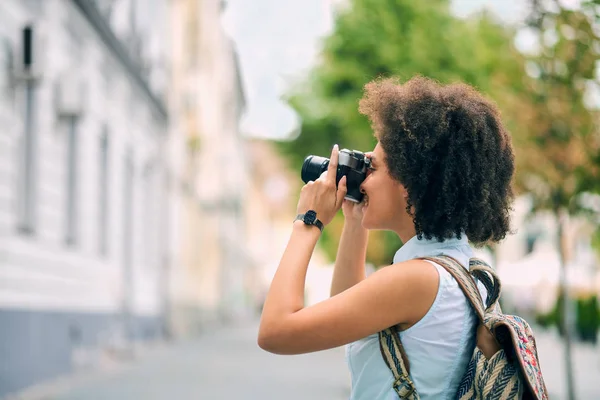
{"x": 277, "y": 41}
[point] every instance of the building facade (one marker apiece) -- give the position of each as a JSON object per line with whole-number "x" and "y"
{"x": 210, "y": 265}
{"x": 83, "y": 178}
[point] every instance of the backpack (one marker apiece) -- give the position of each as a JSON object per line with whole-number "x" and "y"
{"x": 504, "y": 364}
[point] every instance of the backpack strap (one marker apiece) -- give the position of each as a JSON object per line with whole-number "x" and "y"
{"x": 397, "y": 361}
{"x": 464, "y": 280}
{"x": 486, "y": 341}
{"x": 490, "y": 280}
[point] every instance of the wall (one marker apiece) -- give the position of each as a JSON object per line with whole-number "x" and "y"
{"x": 59, "y": 297}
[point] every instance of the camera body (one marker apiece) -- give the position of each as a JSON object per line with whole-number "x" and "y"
{"x": 352, "y": 164}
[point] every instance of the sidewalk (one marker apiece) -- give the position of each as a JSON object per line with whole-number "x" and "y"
{"x": 586, "y": 366}
{"x": 227, "y": 364}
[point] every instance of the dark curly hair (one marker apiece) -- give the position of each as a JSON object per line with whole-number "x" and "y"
{"x": 447, "y": 146}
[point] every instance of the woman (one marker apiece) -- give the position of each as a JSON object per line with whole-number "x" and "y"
{"x": 441, "y": 178}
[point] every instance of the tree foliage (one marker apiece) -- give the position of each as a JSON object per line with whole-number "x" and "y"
{"x": 560, "y": 147}
{"x": 404, "y": 38}
{"x": 561, "y": 142}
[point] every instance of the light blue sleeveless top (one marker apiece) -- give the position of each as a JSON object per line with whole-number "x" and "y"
{"x": 438, "y": 347}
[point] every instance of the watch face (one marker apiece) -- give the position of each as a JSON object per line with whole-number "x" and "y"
{"x": 310, "y": 217}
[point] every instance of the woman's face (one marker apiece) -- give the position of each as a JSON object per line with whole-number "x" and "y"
{"x": 384, "y": 205}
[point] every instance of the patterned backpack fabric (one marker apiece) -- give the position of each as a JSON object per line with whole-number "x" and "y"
{"x": 511, "y": 370}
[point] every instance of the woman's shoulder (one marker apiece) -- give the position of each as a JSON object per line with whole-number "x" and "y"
{"x": 419, "y": 281}
{"x": 415, "y": 271}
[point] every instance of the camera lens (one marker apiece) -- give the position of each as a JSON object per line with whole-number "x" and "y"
{"x": 313, "y": 167}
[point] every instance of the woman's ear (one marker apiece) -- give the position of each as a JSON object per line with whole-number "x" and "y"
{"x": 404, "y": 192}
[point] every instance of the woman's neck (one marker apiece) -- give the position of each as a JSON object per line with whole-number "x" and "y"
{"x": 406, "y": 233}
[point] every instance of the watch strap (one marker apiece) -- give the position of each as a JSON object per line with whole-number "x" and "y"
{"x": 316, "y": 222}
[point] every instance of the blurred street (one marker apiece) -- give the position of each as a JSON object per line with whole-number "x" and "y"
{"x": 227, "y": 363}
{"x": 586, "y": 367}
{"x": 224, "y": 364}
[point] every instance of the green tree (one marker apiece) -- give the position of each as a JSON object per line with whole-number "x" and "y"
{"x": 375, "y": 38}
{"x": 560, "y": 138}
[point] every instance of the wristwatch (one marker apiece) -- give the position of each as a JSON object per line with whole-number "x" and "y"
{"x": 310, "y": 218}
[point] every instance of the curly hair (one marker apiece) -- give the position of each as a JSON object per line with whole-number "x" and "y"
{"x": 447, "y": 146}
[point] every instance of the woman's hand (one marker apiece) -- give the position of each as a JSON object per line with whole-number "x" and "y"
{"x": 353, "y": 212}
{"x": 322, "y": 195}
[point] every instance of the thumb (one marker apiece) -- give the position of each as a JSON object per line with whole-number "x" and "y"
{"x": 341, "y": 192}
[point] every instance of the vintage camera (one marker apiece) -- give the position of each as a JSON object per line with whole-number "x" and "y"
{"x": 352, "y": 163}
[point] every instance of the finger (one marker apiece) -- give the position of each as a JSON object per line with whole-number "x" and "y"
{"x": 342, "y": 183}
{"x": 323, "y": 176}
{"x": 306, "y": 186}
{"x": 341, "y": 192}
{"x": 333, "y": 164}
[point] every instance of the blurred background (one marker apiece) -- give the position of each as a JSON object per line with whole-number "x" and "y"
{"x": 150, "y": 153}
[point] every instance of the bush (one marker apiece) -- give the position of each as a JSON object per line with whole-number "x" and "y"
{"x": 587, "y": 318}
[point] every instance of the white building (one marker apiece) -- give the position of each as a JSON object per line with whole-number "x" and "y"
{"x": 82, "y": 182}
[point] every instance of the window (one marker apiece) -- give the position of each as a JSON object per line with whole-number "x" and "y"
{"x": 127, "y": 217}
{"x": 6, "y": 69}
{"x": 72, "y": 182}
{"x": 148, "y": 214}
{"x": 103, "y": 194}
{"x": 127, "y": 238}
{"x": 530, "y": 240}
{"x": 28, "y": 144}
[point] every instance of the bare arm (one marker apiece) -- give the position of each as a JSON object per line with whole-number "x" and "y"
{"x": 352, "y": 250}
{"x": 401, "y": 293}
{"x": 286, "y": 294}
{"x": 350, "y": 260}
